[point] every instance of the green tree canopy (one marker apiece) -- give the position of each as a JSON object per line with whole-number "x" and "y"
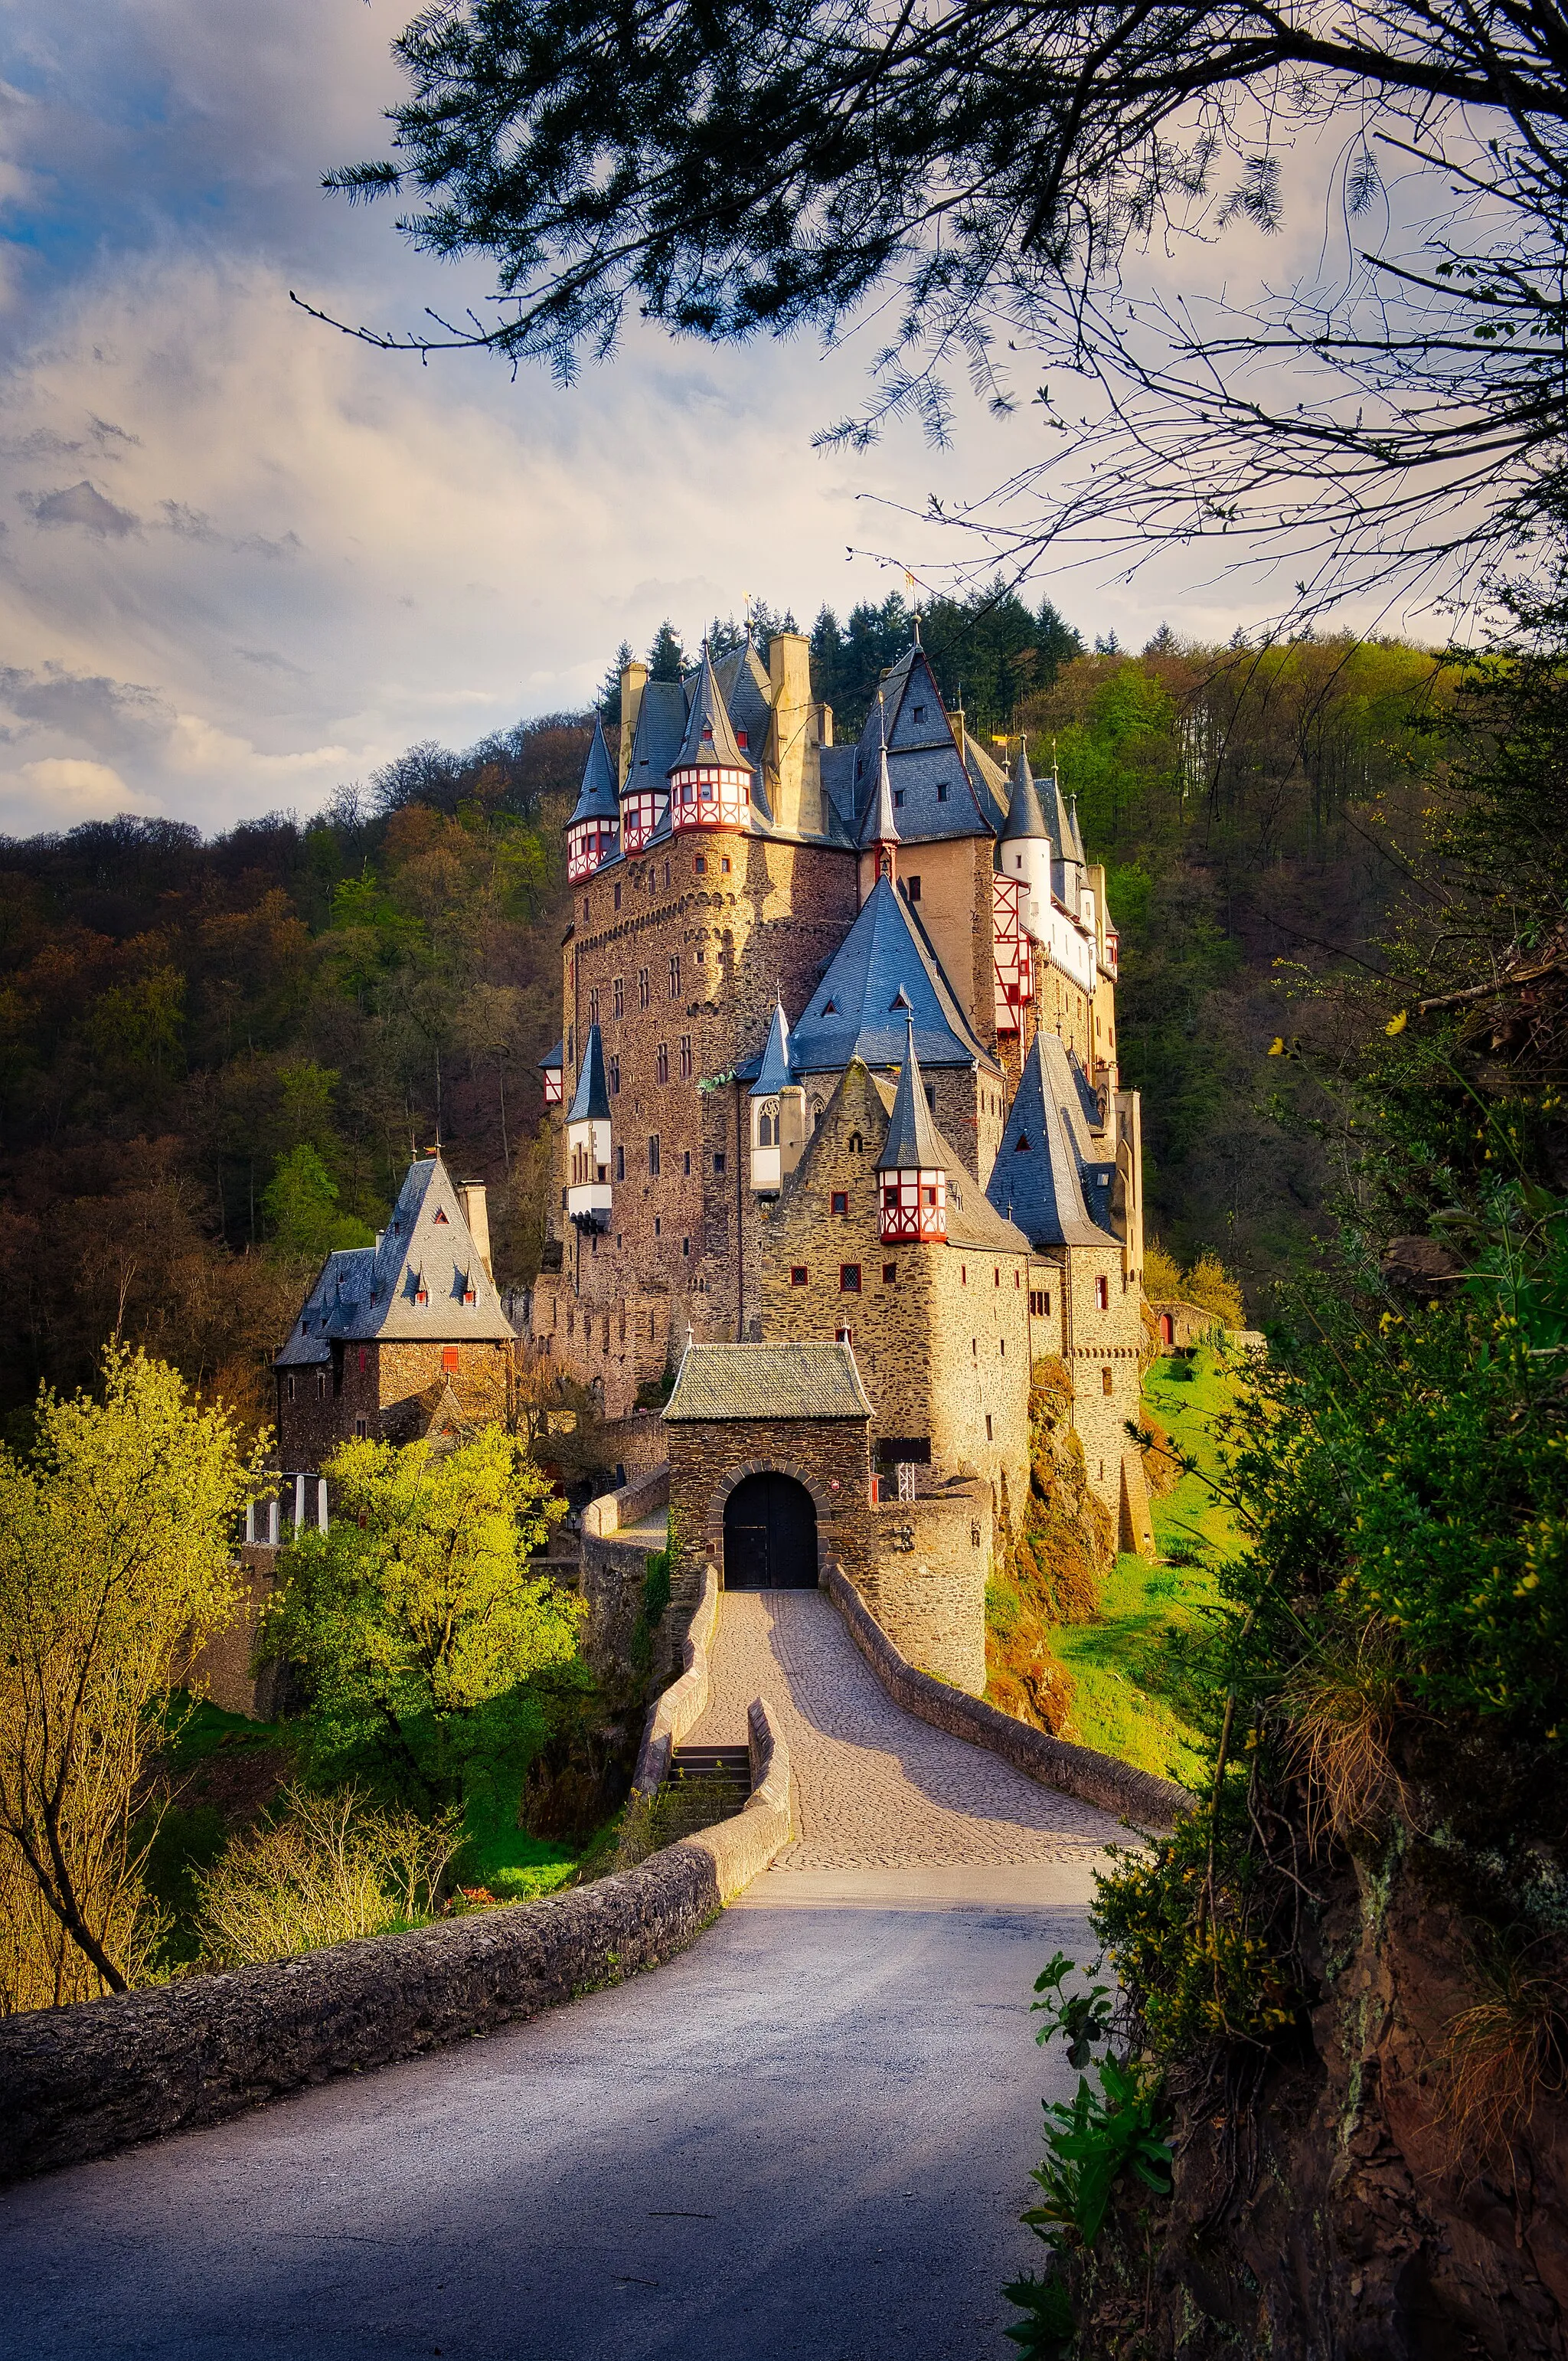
{"x": 416, "y": 1621}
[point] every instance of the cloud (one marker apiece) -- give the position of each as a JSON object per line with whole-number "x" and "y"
{"x": 82, "y": 504}
{"x": 107, "y": 714}
{"x": 59, "y": 793}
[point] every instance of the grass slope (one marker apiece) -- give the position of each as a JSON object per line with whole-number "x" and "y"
{"x": 1124, "y": 1693}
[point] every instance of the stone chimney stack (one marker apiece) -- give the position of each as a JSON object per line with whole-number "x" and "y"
{"x": 471, "y": 1197}
{"x": 793, "y": 750}
{"x": 633, "y": 681}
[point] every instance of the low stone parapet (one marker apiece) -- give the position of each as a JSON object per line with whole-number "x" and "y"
{"x": 612, "y": 1567}
{"x": 1095, "y": 1778}
{"x": 80, "y": 2082}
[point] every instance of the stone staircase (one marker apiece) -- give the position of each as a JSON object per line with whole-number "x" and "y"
{"x": 707, "y": 1783}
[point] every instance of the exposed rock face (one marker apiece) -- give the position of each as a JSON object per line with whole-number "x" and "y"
{"x": 1334, "y": 2206}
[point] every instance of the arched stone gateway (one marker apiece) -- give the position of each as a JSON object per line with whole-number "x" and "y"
{"x": 770, "y": 1534}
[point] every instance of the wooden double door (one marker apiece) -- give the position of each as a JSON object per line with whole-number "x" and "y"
{"x": 770, "y": 1534}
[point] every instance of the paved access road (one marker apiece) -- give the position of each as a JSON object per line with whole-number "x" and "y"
{"x": 807, "y": 2138}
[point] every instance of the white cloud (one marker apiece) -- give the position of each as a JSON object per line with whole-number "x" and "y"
{"x": 60, "y": 792}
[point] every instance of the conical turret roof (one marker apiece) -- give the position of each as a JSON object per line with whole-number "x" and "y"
{"x": 598, "y": 798}
{"x": 1078, "y": 852}
{"x": 773, "y": 1075}
{"x": 710, "y": 733}
{"x": 1059, "y": 826}
{"x": 912, "y": 1140}
{"x": 1025, "y": 817}
{"x": 591, "y": 1103}
{"x": 880, "y": 827}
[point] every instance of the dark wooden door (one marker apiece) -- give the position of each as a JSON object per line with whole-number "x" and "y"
{"x": 769, "y": 1535}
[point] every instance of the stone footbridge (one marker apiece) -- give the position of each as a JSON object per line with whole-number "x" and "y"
{"x": 809, "y": 2135}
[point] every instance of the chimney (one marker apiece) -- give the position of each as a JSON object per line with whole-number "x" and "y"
{"x": 793, "y": 751}
{"x": 633, "y": 681}
{"x": 471, "y": 1197}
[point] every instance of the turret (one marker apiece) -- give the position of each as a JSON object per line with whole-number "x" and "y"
{"x": 588, "y": 1142}
{"x": 552, "y": 1067}
{"x": 879, "y": 834}
{"x": 912, "y": 1170}
{"x": 593, "y": 832}
{"x": 710, "y": 778}
{"x": 778, "y": 1114}
{"x": 1024, "y": 852}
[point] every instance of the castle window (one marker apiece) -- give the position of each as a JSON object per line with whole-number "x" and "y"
{"x": 1040, "y": 1303}
{"x": 593, "y": 1007}
{"x": 849, "y": 1279}
{"x": 724, "y": 866}
{"x": 675, "y": 975}
{"x": 941, "y": 796}
{"x": 642, "y": 992}
{"x": 618, "y": 995}
{"x": 686, "y": 1163}
{"x": 920, "y": 713}
{"x": 1103, "y": 1296}
{"x": 898, "y": 799}
{"x": 470, "y": 1295}
{"x": 1021, "y": 1145}
{"x": 450, "y": 1356}
{"x": 362, "y": 1429}
{"x": 617, "y": 897}
{"x": 422, "y": 1295}
{"x": 838, "y": 1202}
{"x": 661, "y": 1062}
{"x": 441, "y": 1221}
{"x": 615, "y": 1077}
{"x": 658, "y": 1226}
{"x": 363, "y": 1362}
{"x": 890, "y": 1274}
{"x": 797, "y": 1274}
{"x": 1107, "y": 1382}
{"x": 843, "y": 1335}
{"x": 686, "y": 1245}
{"x": 289, "y": 1387}
{"x": 685, "y": 1056}
{"x": 931, "y": 1087}
{"x": 718, "y": 1160}
{"x": 740, "y": 738}
{"x": 321, "y": 1385}
{"x": 654, "y": 1162}
{"x": 963, "y": 1274}
{"x": 1004, "y": 1347}
{"x": 996, "y": 1275}
{"x": 988, "y": 1433}
{"x": 912, "y": 889}
{"x": 767, "y": 1127}
{"x": 699, "y": 867}
{"x": 1017, "y": 1279}
{"x": 856, "y": 1143}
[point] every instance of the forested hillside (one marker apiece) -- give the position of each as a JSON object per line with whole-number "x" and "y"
{"x": 215, "y": 1057}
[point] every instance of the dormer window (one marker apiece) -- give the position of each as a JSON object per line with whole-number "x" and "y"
{"x": 920, "y": 713}
{"x": 708, "y": 733}
{"x": 898, "y": 799}
{"x": 440, "y": 1215}
{"x": 740, "y": 740}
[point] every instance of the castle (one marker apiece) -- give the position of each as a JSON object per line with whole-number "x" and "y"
{"x": 839, "y": 1138}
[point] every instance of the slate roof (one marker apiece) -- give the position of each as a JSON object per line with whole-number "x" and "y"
{"x": 598, "y": 798}
{"x": 971, "y": 1222}
{"x": 748, "y": 692}
{"x": 1078, "y": 852}
{"x": 554, "y": 1060}
{"x": 591, "y": 1101}
{"x": 1025, "y": 817}
{"x": 773, "y": 1074}
{"x": 883, "y": 968}
{"x": 656, "y": 741}
{"x": 922, "y": 756}
{"x": 1058, "y": 827}
{"x": 912, "y": 1140}
{"x": 709, "y": 732}
{"x": 365, "y": 1293}
{"x": 879, "y": 826}
{"x": 728, "y": 1381}
{"x": 1039, "y": 1179}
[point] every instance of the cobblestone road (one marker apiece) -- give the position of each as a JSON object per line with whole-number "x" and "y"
{"x": 875, "y": 1788}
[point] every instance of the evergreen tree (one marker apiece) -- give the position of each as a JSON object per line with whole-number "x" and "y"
{"x": 607, "y": 700}
{"x": 666, "y": 659}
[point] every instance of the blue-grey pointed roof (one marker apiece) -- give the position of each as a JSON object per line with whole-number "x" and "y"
{"x": 1025, "y": 817}
{"x": 1058, "y": 825}
{"x": 656, "y": 741}
{"x": 709, "y": 732}
{"x": 879, "y": 826}
{"x": 884, "y": 969}
{"x": 1078, "y": 852}
{"x": 592, "y": 1100}
{"x": 934, "y": 795}
{"x": 1040, "y": 1180}
{"x": 912, "y": 1140}
{"x": 774, "y": 1075}
{"x": 554, "y": 1060}
{"x": 598, "y": 798}
{"x": 423, "y": 1279}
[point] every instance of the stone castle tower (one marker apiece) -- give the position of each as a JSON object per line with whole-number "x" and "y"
{"x": 840, "y": 1133}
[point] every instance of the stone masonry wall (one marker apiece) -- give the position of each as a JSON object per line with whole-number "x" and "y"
{"x": 380, "y": 1382}
{"x": 1099, "y": 1342}
{"x": 830, "y": 1457}
{"x": 927, "y": 1586}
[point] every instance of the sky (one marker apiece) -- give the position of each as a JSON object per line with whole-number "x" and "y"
{"x": 243, "y": 559}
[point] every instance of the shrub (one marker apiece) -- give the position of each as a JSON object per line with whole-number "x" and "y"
{"x": 331, "y": 1870}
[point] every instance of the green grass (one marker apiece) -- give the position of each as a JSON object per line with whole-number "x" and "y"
{"x": 516, "y": 1867}
{"x": 1126, "y": 1695}
{"x": 200, "y": 1730}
